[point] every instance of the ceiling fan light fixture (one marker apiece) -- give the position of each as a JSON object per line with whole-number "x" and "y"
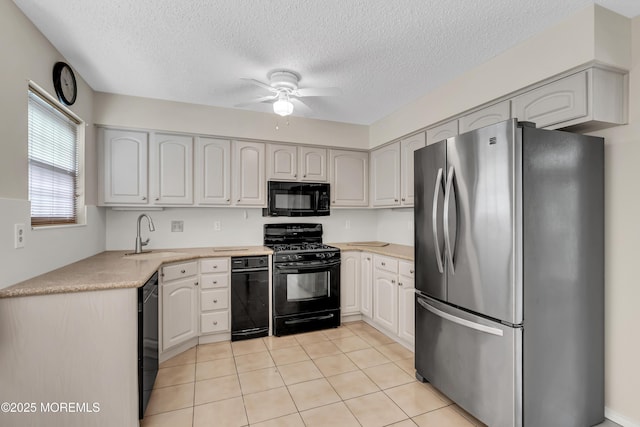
{"x": 283, "y": 106}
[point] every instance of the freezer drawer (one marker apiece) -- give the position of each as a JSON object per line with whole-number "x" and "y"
{"x": 474, "y": 361}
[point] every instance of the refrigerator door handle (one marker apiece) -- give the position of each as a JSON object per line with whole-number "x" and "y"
{"x": 459, "y": 321}
{"x": 447, "y": 239}
{"x": 434, "y": 219}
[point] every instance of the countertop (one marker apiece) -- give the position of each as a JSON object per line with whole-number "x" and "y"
{"x": 115, "y": 270}
{"x": 380, "y": 248}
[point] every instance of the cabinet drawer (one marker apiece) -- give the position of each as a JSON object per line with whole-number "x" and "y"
{"x": 215, "y": 299}
{"x": 406, "y": 268}
{"x": 178, "y": 271}
{"x": 209, "y": 281}
{"x": 214, "y": 265}
{"x": 385, "y": 264}
{"x": 214, "y": 322}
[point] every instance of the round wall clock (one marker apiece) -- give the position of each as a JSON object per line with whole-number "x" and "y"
{"x": 64, "y": 82}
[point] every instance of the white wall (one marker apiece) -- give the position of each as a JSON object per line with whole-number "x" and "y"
{"x": 26, "y": 55}
{"x": 395, "y": 226}
{"x": 135, "y": 112}
{"x": 235, "y": 229}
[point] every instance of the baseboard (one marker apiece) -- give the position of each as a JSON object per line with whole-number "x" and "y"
{"x": 619, "y": 419}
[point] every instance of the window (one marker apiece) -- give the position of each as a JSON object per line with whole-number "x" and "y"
{"x": 54, "y": 146}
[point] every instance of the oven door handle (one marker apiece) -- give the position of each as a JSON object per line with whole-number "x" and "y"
{"x": 308, "y": 319}
{"x": 291, "y": 269}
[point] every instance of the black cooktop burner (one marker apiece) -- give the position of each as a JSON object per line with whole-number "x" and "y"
{"x": 299, "y": 247}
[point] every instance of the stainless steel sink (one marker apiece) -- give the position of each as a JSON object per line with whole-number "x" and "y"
{"x": 152, "y": 255}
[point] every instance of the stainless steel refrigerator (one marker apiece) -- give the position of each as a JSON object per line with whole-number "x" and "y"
{"x": 509, "y": 256}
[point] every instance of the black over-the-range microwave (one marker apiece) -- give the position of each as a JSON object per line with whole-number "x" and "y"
{"x": 297, "y": 199}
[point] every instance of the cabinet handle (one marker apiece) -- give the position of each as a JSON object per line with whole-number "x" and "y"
{"x": 215, "y": 322}
{"x": 157, "y": 198}
{"x": 393, "y": 282}
{"x": 304, "y": 176}
{"x": 215, "y": 282}
{"x": 215, "y": 266}
{"x": 183, "y": 271}
{"x": 368, "y": 259}
{"x": 395, "y": 200}
{"x": 195, "y": 284}
{"x": 228, "y": 200}
{"x": 399, "y": 283}
{"x": 411, "y": 271}
{"x": 383, "y": 264}
{"x": 295, "y": 175}
{"x": 215, "y": 301}
{"x": 403, "y": 199}
{"x": 144, "y": 198}
{"x": 238, "y": 200}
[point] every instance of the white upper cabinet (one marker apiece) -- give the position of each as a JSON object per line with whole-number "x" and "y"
{"x": 312, "y": 164}
{"x": 443, "y": 131}
{"x": 349, "y": 177}
{"x": 213, "y": 171}
{"x": 487, "y": 116}
{"x": 171, "y": 169}
{"x": 407, "y": 147}
{"x": 385, "y": 175}
{"x": 123, "y": 164}
{"x": 248, "y": 182}
{"x": 291, "y": 163}
{"x": 591, "y": 95}
{"x": 282, "y": 162}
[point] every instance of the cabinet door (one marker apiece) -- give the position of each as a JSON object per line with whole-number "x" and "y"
{"x": 407, "y": 147}
{"x": 171, "y": 169}
{"x": 406, "y": 308}
{"x": 556, "y": 102}
{"x": 249, "y": 186}
{"x": 179, "y": 312}
{"x": 385, "y": 300}
{"x": 385, "y": 175}
{"x": 349, "y": 282}
{"x": 487, "y": 116}
{"x": 366, "y": 284}
{"x": 213, "y": 171}
{"x": 124, "y": 167}
{"x": 312, "y": 164}
{"x": 282, "y": 162}
{"x": 349, "y": 177}
{"x": 443, "y": 131}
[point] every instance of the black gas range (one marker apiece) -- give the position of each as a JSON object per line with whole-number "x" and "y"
{"x": 306, "y": 278}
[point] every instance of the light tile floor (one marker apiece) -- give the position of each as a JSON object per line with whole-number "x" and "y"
{"x": 349, "y": 376}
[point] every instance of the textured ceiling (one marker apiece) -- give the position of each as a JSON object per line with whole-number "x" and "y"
{"x": 381, "y": 53}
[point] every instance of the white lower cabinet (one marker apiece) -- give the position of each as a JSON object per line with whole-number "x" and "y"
{"x": 215, "y": 298}
{"x": 385, "y": 300}
{"x": 366, "y": 284}
{"x": 349, "y": 283}
{"x": 406, "y": 302}
{"x": 179, "y": 296}
{"x": 195, "y": 300}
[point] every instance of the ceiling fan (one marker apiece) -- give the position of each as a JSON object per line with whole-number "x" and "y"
{"x": 283, "y": 85}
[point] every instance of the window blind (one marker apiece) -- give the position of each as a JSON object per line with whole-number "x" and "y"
{"x": 53, "y": 163}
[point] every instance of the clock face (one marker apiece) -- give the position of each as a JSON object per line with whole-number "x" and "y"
{"x": 64, "y": 82}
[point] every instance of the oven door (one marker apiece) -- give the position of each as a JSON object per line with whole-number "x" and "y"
{"x": 306, "y": 287}
{"x": 297, "y": 199}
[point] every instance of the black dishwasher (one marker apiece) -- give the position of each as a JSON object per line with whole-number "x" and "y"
{"x": 249, "y": 297}
{"x": 147, "y": 341}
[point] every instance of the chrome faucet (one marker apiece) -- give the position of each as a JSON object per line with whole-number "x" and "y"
{"x": 139, "y": 242}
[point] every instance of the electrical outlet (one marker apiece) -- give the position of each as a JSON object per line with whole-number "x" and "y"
{"x": 347, "y": 224}
{"x": 177, "y": 226}
{"x": 216, "y": 226}
{"x": 19, "y": 236}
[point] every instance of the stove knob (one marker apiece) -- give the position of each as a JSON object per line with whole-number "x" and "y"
{"x": 322, "y": 255}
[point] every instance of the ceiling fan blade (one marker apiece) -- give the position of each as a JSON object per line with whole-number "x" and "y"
{"x": 259, "y": 83}
{"x": 299, "y": 105}
{"x": 326, "y": 91}
{"x": 257, "y": 100}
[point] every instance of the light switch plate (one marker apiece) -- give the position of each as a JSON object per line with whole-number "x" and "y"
{"x": 19, "y": 236}
{"x": 216, "y": 226}
{"x": 177, "y": 226}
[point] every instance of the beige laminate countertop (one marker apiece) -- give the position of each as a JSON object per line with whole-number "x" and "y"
{"x": 380, "y": 248}
{"x": 115, "y": 270}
